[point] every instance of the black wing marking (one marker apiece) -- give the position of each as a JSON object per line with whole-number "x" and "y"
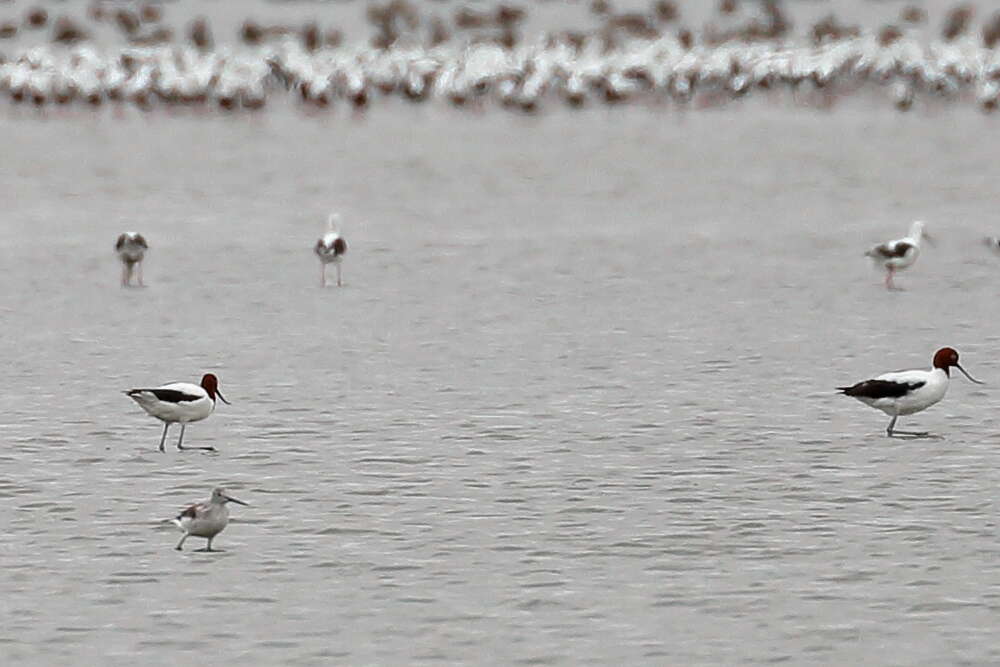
{"x": 141, "y": 240}
{"x": 881, "y": 389}
{"x": 167, "y": 395}
{"x": 339, "y": 246}
{"x": 191, "y": 512}
{"x": 120, "y": 242}
{"x": 893, "y": 250}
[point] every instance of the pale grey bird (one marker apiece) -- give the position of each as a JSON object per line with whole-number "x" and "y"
{"x": 206, "y": 519}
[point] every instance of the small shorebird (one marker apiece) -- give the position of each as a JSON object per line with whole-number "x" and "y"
{"x": 180, "y": 402}
{"x": 899, "y": 254}
{"x": 907, "y": 392}
{"x": 131, "y": 248}
{"x": 206, "y": 519}
{"x": 992, "y": 242}
{"x": 331, "y": 248}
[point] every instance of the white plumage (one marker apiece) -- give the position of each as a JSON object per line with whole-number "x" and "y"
{"x": 906, "y": 392}
{"x": 899, "y": 254}
{"x": 131, "y": 248}
{"x": 330, "y": 248}
{"x": 179, "y": 402}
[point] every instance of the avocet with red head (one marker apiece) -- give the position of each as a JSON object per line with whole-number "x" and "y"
{"x": 131, "y": 248}
{"x": 330, "y": 248}
{"x": 899, "y": 254}
{"x": 180, "y": 402}
{"x": 907, "y": 392}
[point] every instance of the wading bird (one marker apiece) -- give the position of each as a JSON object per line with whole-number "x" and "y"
{"x": 907, "y": 392}
{"x": 181, "y": 402}
{"x": 330, "y": 248}
{"x": 899, "y": 254}
{"x": 131, "y": 248}
{"x": 206, "y": 519}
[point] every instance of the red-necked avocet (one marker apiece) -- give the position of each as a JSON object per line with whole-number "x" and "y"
{"x": 181, "y": 402}
{"x": 330, "y": 248}
{"x": 907, "y": 392}
{"x": 899, "y": 254}
{"x": 206, "y": 519}
{"x": 131, "y": 248}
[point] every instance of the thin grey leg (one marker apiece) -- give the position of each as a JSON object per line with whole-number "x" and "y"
{"x": 180, "y": 545}
{"x": 181, "y": 440}
{"x": 163, "y": 438}
{"x": 138, "y": 270}
{"x": 892, "y": 432}
{"x": 338, "y": 274}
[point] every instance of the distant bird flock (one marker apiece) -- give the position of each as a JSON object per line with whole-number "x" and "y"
{"x": 482, "y": 56}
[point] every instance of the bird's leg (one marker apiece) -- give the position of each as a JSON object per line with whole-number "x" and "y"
{"x": 892, "y": 422}
{"x": 209, "y": 547}
{"x": 892, "y": 432}
{"x": 125, "y": 274}
{"x": 180, "y": 545}
{"x": 163, "y": 438}
{"x": 182, "y": 448}
{"x": 139, "y": 273}
{"x": 889, "y": 284}
{"x": 338, "y": 274}
{"x": 322, "y": 274}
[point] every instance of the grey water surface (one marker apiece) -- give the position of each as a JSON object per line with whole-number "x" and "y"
{"x": 574, "y": 404}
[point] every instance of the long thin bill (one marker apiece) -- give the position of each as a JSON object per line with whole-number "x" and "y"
{"x": 967, "y": 375}
{"x": 223, "y": 398}
{"x": 238, "y": 502}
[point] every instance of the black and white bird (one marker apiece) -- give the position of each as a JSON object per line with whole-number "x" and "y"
{"x": 899, "y": 254}
{"x": 330, "y": 248}
{"x": 131, "y": 248}
{"x": 206, "y": 519}
{"x": 180, "y": 402}
{"x": 993, "y": 243}
{"x": 906, "y": 392}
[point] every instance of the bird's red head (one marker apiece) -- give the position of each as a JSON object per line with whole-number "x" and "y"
{"x": 210, "y": 384}
{"x": 945, "y": 358}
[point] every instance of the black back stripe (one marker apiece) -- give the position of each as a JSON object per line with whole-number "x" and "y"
{"x": 167, "y": 395}
{"x": 881, "y": 389}
{"x": 896, "y": 250}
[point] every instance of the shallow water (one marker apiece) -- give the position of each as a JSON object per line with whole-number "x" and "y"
{"x": 573, "y": 405}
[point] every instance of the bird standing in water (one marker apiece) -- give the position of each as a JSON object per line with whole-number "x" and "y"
{"x": 330, "y": 248}
{"x": 907, "y": 392}
{"x": 180, "y": 402}
{"x": 899, "y": 254}
{"x": 131, "y": 248}
{"x": 206, "y": 519}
